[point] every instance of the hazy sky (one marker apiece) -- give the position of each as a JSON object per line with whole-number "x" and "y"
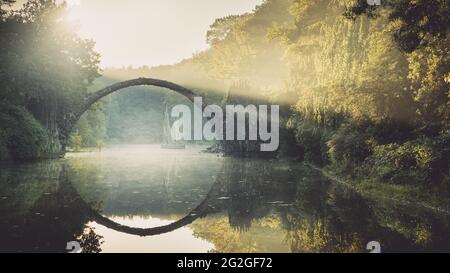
{"x": 150, "y": 32}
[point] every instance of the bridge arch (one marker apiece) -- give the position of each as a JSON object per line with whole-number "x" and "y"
{"x": 207, "y": 206}
{"x": 71, "y": 118}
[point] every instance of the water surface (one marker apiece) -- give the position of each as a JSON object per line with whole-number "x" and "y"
{"x": 140, "y": 198}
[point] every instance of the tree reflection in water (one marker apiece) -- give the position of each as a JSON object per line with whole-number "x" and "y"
{"x": 252, "y": 205}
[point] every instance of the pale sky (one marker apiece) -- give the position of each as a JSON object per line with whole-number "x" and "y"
{"x": 150, "y": 32}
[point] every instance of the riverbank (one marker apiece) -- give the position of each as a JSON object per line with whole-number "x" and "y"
{"x": 406, "y": 195}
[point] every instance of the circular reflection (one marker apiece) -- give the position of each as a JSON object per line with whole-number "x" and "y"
{"x": 201, "y": 210}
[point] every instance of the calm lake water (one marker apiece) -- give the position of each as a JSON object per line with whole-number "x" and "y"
{"x": 140, "y": 198}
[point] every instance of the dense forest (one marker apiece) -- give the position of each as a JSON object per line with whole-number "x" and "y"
{"x": 364, "y": 89}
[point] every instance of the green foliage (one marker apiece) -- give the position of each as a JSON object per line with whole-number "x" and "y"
{"x": 90, "y": 130}
{"x": 417, "y": 21}
{"x": 76, "y": 141}
{"x": 423, "y": 160}
{"x": 312, "y": 141}
{"x": 349, "y": 147}
{"x": 376, "y": 104}
{"x": 21, "y": 135}
{"x": 240, "y": 50}
{"x": 220, "y": 29}
{"x": 421, "y": 30}
{"x": 44, "y": 59}
{"x": 45, "y": 71}
{"x": 428, "y": 72}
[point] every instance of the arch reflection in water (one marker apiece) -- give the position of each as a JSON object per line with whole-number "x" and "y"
{"x": 240, "y": 205}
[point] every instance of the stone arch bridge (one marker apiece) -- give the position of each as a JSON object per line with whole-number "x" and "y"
{"x": 70, "y": 119}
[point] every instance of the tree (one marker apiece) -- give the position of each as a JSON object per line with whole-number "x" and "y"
{"x": 46, "y": 67}
{"x": 418, "y": 21}
{"x": 421, "y": 29}
{"x": 44, "y": 60}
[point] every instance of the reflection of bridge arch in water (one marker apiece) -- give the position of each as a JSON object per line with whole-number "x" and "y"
{"x": 200, "y": 211}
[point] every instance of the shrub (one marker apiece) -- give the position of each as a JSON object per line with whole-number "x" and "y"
{"x": 76, "y": 141}
{"x": 349, "y": 147}
{"x": 421, "y": 161}
{"x": 23, "y": 136}
{"x": 312, "y": 140}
